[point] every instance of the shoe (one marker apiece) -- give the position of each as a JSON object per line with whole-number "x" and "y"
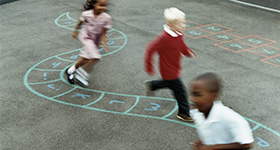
{"x": 82, "y": 80}
{"x": 185, "y": 117}
{"x": 148, "y": 89}
{"x": 70, "y": 77}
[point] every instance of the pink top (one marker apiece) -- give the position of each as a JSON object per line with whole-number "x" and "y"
{"x": 94, "y": 27}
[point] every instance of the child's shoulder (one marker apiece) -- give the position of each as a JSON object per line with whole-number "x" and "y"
{"x": 106, "y": 15}
{"x": 87, "y": 12}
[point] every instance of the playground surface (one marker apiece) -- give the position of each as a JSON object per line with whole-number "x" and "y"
{"x": 40, "y": 110}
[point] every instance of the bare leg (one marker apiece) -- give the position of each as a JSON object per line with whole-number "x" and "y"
{"x": 81, "y": 62}
{"x": 88, "y": 67}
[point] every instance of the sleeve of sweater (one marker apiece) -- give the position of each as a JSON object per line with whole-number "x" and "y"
{"x": 151, "y": 48}
{"x": 186, "y": 50}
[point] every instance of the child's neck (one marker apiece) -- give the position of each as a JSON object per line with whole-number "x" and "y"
{"x": 96, "y": 13}
{"x": 206, "y": 113}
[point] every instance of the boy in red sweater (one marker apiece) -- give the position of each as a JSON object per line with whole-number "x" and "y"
{"x": 170, "y": 46}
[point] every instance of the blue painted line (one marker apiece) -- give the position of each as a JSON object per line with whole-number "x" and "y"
{"x": 69, "y": 25}
{"x": 100, "y": 97}
{"x": 255, "y": 128}
{"x": 111, "y": 29}
{"x": 65, "y": 59}
{"x": 65, "y": 93}
{"x": 114, "y": 112}
{"x": 175, "y": 108}
{"x": 136, "y": 102}
{"x": 38, "y": 69}
{"x": 36, "y": 83}
{"x": 116, "y": 38}
{"x": 265, "y": 127}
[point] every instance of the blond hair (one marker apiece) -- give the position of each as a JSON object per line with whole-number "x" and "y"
{"x": 172, "y": 14}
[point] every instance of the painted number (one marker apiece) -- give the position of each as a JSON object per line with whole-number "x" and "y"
{"x": 81, "y": 95}
{"x": 110, "y": 42}
{"x": 153, "y": 108}
{"x": 194, "y": 32}
{"x": 108, "y": 34}
{"x": 52, "y": 87}
{"x": 255, "y": 41}
{"x": 268, "y": 51}
{"x": 262, "y": 142}
{"x": 74, "y": 57}
{"x": 55, "y": 64}
{"x": 45, "y": 76}
{"x": 213, "y": 28}
{"x": 223, "y": 36}
{"x": 236, "y": 45}
{"x": 115, "y": 101}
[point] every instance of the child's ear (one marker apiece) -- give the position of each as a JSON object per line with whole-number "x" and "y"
{"x": 215, "y": 96}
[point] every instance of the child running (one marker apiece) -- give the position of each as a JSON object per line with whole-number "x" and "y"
{"x": 97, "y": 22}
{"x": 170, "y": 46}
{"x": 218, "y": 127}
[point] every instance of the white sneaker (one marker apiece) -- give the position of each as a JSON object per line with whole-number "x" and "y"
{"x": 81, "y": 79}
{"x": 148, "y": 89}
{"x": 82, "y": 76}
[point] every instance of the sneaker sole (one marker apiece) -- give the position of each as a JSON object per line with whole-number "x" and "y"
{"x": 67, "y": 75}
{"x": 181, "y": 118}
{"x": 81, "y": 80}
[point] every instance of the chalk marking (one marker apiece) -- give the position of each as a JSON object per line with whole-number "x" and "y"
{"x": 101, "y": 96}
{"x": 257, "y": 6}
{"x": 137, "y": 100}
{"x": 115, "y": 101}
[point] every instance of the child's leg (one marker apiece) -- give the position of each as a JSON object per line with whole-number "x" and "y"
{"x": 88, "y": 67}
{"x": 158, "y": 84}
{"x": 152, "y": 86}
{"x": 78, "y": 64}
{"x": 180, "y": 94}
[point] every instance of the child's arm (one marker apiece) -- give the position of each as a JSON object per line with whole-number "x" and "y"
{"x": 151, "y": 49}
{"x": 105, "y": 39}
{"x": 78, "y": 27}
{"x": 187, "y": 51}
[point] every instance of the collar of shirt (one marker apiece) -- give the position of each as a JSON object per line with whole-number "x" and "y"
{"x": 170, "y": 32}
{"x": 212, "y": 117}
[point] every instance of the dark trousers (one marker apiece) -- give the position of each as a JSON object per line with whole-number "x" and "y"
{"x": 178, "y": 89}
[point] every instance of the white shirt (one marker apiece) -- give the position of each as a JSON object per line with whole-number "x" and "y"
{"x": 170, "y": 32}
{"x": 223, "y": 126}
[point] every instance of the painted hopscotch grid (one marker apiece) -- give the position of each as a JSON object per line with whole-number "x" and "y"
{"x": 234, "y": 43}
{"x": 205, "y": 30}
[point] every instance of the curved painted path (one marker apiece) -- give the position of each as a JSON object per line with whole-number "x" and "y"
{"x": 46, "y": 79}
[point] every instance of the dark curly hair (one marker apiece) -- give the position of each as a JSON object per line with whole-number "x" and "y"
{"x": 89, "y": 4}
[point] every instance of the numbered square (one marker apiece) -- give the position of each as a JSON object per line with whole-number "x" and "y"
{"x": 234, "y": 46}
{"x": 215, "y": 28}
{"x": 255, "y": 40}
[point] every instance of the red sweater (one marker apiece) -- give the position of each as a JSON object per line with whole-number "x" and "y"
{"x": 170, "y": 50}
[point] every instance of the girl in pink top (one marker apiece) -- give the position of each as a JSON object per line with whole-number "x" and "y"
{"x": 97, "y": 22}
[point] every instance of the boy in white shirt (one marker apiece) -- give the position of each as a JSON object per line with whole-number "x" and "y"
{"x": 218, "y": 127}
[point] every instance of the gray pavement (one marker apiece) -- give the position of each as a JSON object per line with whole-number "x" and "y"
{"x": 39, "y": 110}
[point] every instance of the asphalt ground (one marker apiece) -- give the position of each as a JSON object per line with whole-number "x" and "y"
{"x": 39, "y": 110}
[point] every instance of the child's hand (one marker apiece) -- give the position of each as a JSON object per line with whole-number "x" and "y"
{"x": 75, "y": 34}
{"x": 105, "y": 47}
{"x": 193, "y": 56}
